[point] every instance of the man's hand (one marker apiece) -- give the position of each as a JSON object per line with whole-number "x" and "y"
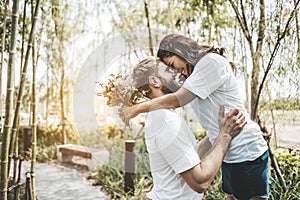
{"x": 126, "y": 113}
{"x": 233, "y": 123}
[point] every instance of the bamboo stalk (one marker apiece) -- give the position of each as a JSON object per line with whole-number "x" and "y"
{"x": 2, "y": 50}
{"x": 18, "y": 183}
{"x": 14, "y": 155}
{"x": 9, "y": 102}
{"x": 23, "y": 34}
{"x": 22, "y": 81}
{"x": 34, "y": 139}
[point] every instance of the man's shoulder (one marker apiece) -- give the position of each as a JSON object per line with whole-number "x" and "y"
{"x": 161, "y": 121}
{"x": 166, "y": 115}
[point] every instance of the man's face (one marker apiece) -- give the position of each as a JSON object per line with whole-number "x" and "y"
{"x": 168, "y": 78}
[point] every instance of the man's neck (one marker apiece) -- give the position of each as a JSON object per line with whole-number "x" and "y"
{"x": 156, "y": 93}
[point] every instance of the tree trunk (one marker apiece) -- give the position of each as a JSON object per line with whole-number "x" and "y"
{"x": 281, "y": 35}
{"x": 255, "y": 53}
{"x": 298, "y": 37}
{"x": 254, "y": 83}
{"x": 56, "y": 14}
{"x": 47, "y": 95}
{"x": 185, "y": 26}
{"x": 9, "y": 102}
{"x": 257, "y": 58}
{"x": 149, "y": 28}
{"x": 62, "y": 102}
{"x": 171, "y": 14}
{"x": 257, "y": 87}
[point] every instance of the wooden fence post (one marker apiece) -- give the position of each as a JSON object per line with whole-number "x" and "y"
{"x": 129, "y": 166}
{"x": 27, "y": 134}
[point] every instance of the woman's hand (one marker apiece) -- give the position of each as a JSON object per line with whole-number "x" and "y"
{"x": 126, "y": 113}
{"x": 233, "y": 123}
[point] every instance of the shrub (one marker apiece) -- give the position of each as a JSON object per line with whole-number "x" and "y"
{"x": 289, "y": 162}
{"x": 111, "y": 180}
{"x": 47, "y": 139}
{"x": 45, "y": 154}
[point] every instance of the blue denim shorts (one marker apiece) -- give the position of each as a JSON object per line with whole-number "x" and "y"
{"x": 247, "y": 179}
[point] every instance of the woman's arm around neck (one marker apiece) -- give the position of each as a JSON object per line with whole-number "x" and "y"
{"x": 172, "y": 100}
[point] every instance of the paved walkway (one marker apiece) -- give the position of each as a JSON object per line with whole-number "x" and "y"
{"x": 56, "y": 182}
{"x": 288, "y": 130}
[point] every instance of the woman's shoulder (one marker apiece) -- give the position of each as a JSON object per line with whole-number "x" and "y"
{"x": 215, "y": 57}
{"x": 212, "y": 59}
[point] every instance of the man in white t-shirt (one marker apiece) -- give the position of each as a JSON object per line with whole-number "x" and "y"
{"x": 175, "y": 165}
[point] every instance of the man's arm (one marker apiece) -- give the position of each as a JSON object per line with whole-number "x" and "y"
{"x": 203, "y": 147}
{"x": 201, "y": 176}
{"x": 172, "y": 100}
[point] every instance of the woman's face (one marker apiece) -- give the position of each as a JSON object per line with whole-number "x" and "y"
{"x": 169, "y": 82}
{"x": 176, "y": 63}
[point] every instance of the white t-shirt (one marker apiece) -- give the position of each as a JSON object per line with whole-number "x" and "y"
{"x": 172, "y": 150}
{"x": 215, "y": 85}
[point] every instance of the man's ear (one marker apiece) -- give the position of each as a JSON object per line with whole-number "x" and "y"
{"x": 154, "y": 81}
